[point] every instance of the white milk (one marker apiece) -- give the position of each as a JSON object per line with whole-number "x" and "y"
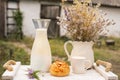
{"x": 41, "y": 53}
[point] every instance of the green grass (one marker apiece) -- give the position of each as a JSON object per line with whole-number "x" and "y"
{"x": 28, "y": 41}
{"x": 107, "y": 53}
{"x": 57, "y": 47}
{"x": 18, "y": 54}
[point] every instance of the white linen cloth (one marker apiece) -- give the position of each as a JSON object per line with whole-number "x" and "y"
{"x": 89, "y": 75}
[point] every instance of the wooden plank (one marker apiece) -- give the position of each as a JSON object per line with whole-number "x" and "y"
{"x": 12, "y": 8}
{"x": 11, "y": 24}
{"x": 13, "y": 0}
{"x": 52, "y": 0}
{"x": 9, "y": 16}
{"x": 2, "y": 19}
{"x": 112, "y": 3}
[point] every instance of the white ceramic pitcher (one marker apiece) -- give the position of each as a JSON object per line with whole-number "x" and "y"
{"x": 82, "y": 49}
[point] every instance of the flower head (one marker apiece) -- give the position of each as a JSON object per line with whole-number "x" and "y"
{"x": 32, "y": 74}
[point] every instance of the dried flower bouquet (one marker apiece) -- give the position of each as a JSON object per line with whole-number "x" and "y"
{"x": 83, "y": 21}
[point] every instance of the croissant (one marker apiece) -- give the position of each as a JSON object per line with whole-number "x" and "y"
{"x": 59, "y": 68}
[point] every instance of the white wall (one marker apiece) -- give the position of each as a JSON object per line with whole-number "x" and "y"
{"x": 62, "y": 30}
{"x": 31, "y": 10}
{"x": 113, "y": 14}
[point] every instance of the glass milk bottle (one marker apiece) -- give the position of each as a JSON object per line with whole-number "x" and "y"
{"x": 41, "y": 53}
